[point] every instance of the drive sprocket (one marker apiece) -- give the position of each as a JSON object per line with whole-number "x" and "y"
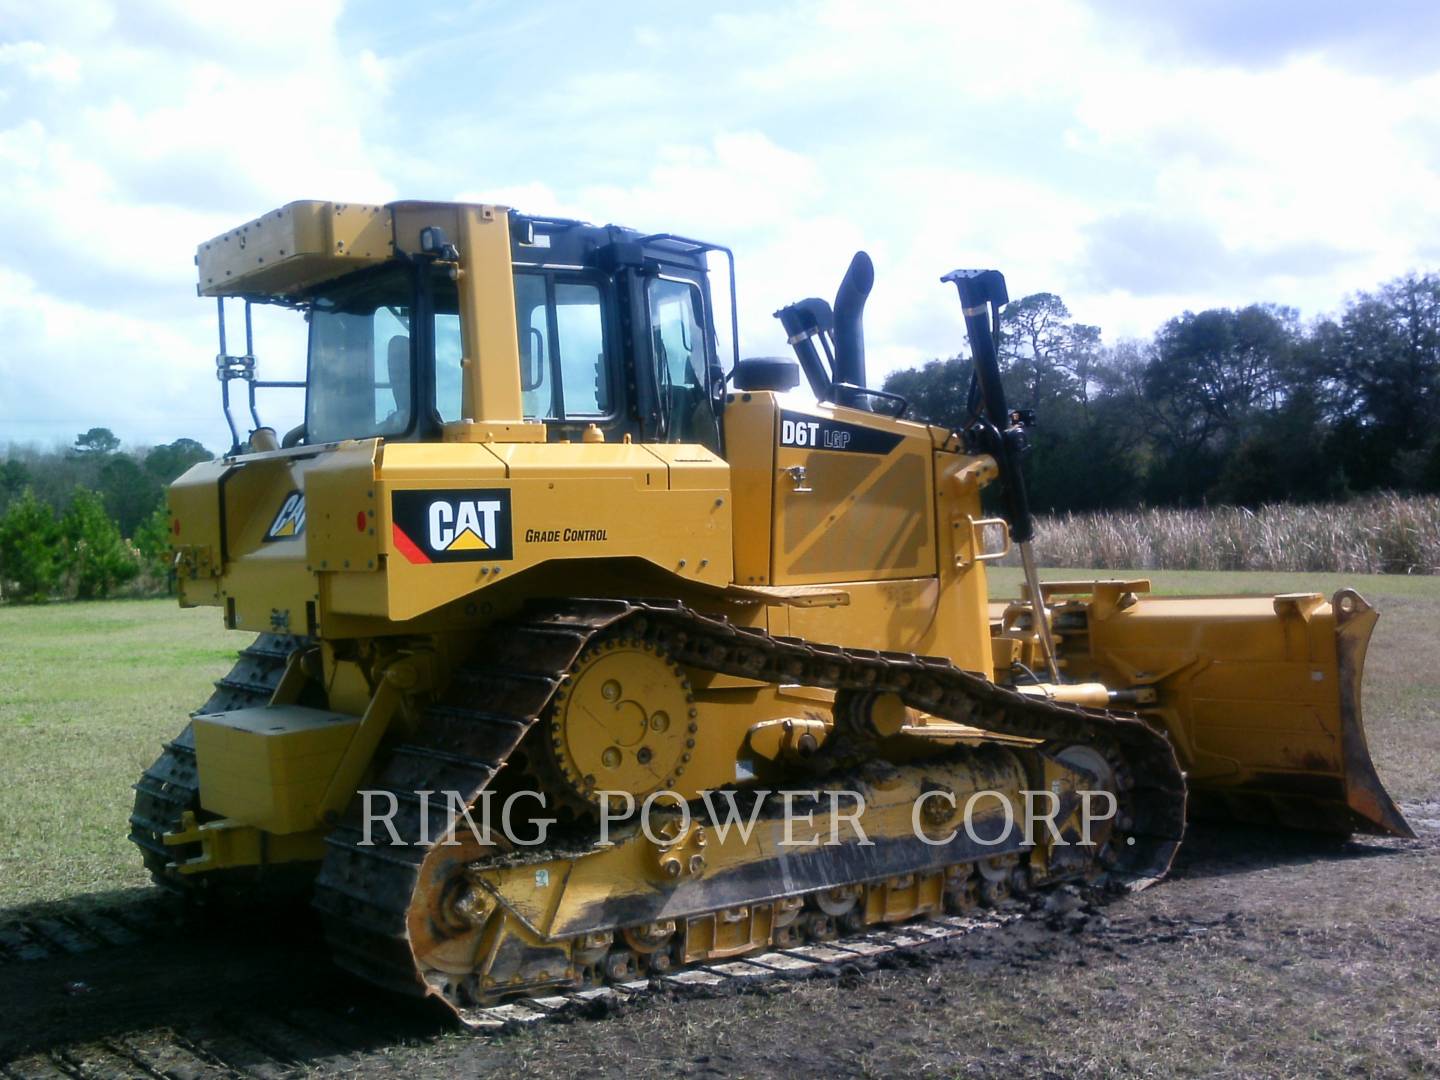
{"x": 624, "y": 719}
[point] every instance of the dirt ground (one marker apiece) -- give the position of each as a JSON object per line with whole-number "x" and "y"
{"x": 1262, "y": 955}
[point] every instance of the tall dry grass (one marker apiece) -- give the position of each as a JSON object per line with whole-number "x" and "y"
{"x": 1379, "y": 534}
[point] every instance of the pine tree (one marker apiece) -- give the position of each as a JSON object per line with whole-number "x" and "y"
{"x": 99, "y": 557}
{"x": 152, "y": 540}
{"x": 31, "y": 552}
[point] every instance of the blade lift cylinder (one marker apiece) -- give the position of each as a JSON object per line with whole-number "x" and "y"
{"x": 1001, "y": 433}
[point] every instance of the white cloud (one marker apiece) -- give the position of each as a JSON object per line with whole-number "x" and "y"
{"x": 1277, "y": 165}
{"x": 133, "y": 365}
{"x": 1063, "y": 146}
{"x": 119, "y": 153}
{"x": 41, "y": 63}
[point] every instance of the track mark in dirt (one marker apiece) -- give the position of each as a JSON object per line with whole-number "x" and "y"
{"x": 237, "y": 1055}
{"x": 165, "y": 1053}
{"x": 270, "y": 1043}
{"x": 48, "y": 931}
{"x": 102, "y": 1059}
{"x": 36, "y": 1067}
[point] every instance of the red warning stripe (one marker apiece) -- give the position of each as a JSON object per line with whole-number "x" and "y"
{"x": 408, "y": 547}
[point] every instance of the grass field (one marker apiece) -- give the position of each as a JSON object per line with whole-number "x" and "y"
{"x": 88, "y": 691}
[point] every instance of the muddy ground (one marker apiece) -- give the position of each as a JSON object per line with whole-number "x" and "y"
{"x": 1261, "y": 955}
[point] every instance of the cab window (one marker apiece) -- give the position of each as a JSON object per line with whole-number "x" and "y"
{"x": 563, "y": 374}
{"x": 359, "y": 376}
{"x": 679, "y": 353}
{"x": 449, "y": 374}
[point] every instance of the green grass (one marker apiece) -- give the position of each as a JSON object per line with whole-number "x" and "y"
{"x": 88, "y": 691}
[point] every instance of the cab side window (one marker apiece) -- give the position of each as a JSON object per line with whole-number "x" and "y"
{"x": 677, "y": 339}
{"x": 563, "y": 373}
{"x": 449, "y": 370}
{"x": 580, "y": 347}
{"x": 532, "y": 325}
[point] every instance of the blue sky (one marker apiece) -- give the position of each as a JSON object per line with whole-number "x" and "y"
{"x": 1138, "y": 159}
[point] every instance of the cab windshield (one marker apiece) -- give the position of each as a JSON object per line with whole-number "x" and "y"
{"x": 363, "y": 374}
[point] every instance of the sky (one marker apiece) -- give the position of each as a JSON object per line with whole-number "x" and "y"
{"x": 1139, "y": 159}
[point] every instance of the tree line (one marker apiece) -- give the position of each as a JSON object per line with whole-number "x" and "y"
{"x": 87, "y": 520}
{"x": 1241, "y": 407}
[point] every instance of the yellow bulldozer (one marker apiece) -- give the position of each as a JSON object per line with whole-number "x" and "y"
{"x": 585, "y": 653}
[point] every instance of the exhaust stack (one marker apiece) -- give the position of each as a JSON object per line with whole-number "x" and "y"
{"x": 839, "y": 374}
{"x": 849, "y": 312}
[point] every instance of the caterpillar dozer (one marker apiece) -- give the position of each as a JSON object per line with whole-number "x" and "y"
{"x": 539, "y": 555}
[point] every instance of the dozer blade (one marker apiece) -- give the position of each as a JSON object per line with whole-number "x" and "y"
{"x": 1261, "y": 697}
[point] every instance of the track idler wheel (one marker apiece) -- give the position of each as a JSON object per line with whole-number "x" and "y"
{"x": 658, "y": 963}
{"x": 817, "y": 926}
{"x": 994, "y": 893}
{"x": 650, "y": 938}
{"x": 996, "y": 876}
{"x": 832, "y": 911}
{"x": 962, "y": 890}
{"x": 620, "y": 966}
{"x": 842, "y": 904}
{"x": 838, "y": 901}
{"x": 786, "y": 924}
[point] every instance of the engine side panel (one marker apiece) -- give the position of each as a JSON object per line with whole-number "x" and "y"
{"x": 288, "y": 542}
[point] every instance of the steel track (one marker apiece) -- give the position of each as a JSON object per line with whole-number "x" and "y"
{"x": 464, "y": 739}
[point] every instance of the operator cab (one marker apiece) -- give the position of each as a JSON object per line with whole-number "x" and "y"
{"x": 614, "y": 331}
{"x": 448, "y": 321}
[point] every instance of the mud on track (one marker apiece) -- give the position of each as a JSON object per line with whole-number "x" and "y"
{"x": 124, "y": 986}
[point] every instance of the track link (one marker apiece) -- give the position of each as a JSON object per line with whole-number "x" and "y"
{"x": 464, "y": 739}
